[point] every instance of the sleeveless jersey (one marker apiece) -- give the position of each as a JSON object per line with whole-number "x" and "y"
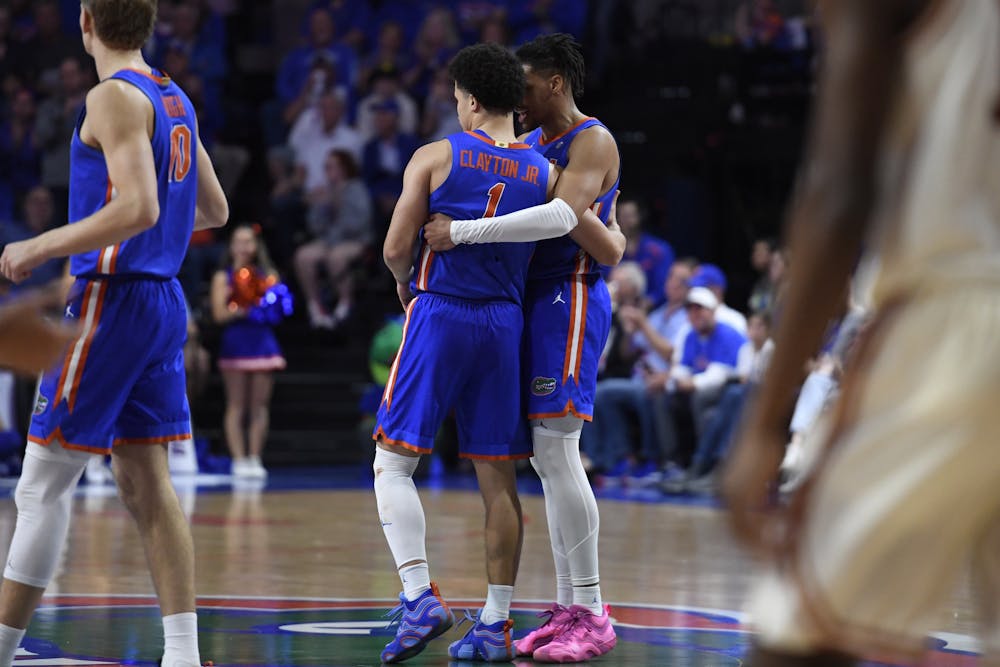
{"x": 486, "y": 179}
{"x": 158, "y": 251}
{"x": 939, "y": 209}
{"x": 562, "y": 256}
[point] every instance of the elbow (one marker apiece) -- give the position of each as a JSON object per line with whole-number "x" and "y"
{"x": 220, "y": 214}
{"x": 147, "y": 213}
{"x": 611, "y": 256}
{"x": 393, "y": 255}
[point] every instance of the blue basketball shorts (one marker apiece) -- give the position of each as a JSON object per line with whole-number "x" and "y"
{"x": 463, "y": 356}
{"x": 566, "y": 323}
{"x": 122, "y": 381}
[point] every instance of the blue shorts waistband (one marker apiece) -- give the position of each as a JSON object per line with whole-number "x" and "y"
{"x": 125, "y": 277}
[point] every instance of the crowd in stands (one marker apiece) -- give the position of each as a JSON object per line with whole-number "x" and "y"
{"x": 362, "y": 87}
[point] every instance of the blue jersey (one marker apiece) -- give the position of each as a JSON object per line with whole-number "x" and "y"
{"x": 158, "y": 251}
{"x": 486, "y": 179}
{"x": 562, "y": 256}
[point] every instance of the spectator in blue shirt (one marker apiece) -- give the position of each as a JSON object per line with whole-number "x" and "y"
{"x": 384, "y": 158}
{"x": 309, "y": 70}
{"x": 653, "y": 254}
{"x": 39, "y": 216}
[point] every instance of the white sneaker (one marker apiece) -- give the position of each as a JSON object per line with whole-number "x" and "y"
{"x": 97, "y": 472}
{"x": 256, "y": 469}
{"x": 241, "y": 468}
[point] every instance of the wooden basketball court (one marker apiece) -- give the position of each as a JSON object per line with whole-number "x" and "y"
{"x": 302, "y": 576}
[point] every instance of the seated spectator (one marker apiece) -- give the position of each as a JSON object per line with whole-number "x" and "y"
{"x": 753, "y": 359}
{"x": 20, "y": 161}
{"x": 309, "y": 70}
{"x": 653, "y": 254}
{"x": 707, "y": 359}
{"x": 435, "y": 44}
{"x": 339, "y": 220}
{"x": 385, "y": 157}
{"x": 318, "y": 131}
{"x": 388, "y": 55}
{"x": 54, "y": 130}
{"x": 762, "y": 295}
{"x": 494, "y": 31}
{"x": 439, "y": 119}
{"x": 531, "y": 19}
{"x": 605, "y": 440}
{"x": 387, "y": 87}
{"x": 711, "y": 276}
{"x": 39, "y": 216}
{"x": 40, "y": 56}
{"x": 352, "y": 19}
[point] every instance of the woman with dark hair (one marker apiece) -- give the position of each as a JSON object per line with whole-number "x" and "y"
{"x": 339, "y": 220}
{"x": 249, "y": 352}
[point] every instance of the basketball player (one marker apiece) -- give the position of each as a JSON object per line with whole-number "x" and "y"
{"x": 904, "y": 159}
{"x": 29, "y": 341}
{"x": 140, "y": 180}
{"x": 460, "y": 349}
{"x": 568, "y": 316}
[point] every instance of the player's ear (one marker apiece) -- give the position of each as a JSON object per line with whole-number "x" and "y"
{"x": 556, "y": 84}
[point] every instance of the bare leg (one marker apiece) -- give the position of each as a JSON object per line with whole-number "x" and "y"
{"x": 144, "y": 486}
{"x": 237, "y": 387}
{"x": 259, "y": 402}
{"x": 504, "y": 526}
{"x": 307, "y": 259}
{"x": 338, "y": 263}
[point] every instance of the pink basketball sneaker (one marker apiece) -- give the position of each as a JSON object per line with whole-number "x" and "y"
{"x": 543, "y": 634}
{"x": 585, "y": 636}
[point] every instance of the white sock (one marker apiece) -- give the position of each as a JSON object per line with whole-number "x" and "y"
{"x": 10, "y": 639}
{"x": 564, "y": 587}
{"x": 589, "y": 597}
{"x": 399, "y": 508}
{"x": 497, "y": 607}
{"x": 180, "y": 640}
{"x": 416, "y": 580}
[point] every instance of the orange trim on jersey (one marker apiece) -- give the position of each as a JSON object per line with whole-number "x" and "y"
{"x": 380, "y": 433}
{"x": 113, "y": 249}
{"x": 577, "y": 320}
{"x": 159, "y": 440}
{"x": 160, "y": 80}
{"x": 570, "y": 409}
{"x": 391, "y": 382}
{"x": 426, "y": 259}
{"x": 61, "y": 439}
{"x": 499, "y": 144}
{"x": 542, "y": 141}
{"x": 82, "y": 364}
{"x": 486, "y": 457}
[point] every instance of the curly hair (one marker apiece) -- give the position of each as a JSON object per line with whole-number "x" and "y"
{"x": 558, "y": 53}
{"x": 123, "y": 25}
{"x": 491, "y": 74}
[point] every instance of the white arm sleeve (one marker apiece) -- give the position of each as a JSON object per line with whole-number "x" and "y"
{"x": 546, "y": 221}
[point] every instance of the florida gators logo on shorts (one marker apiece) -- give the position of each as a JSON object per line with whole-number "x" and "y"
{"x": 543, "y": 386}
{"x": 41, "y": 404}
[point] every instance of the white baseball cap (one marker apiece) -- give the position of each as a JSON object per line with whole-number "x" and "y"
{"x": 702, "y": 296}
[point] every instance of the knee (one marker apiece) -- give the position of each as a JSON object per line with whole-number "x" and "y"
{"x": 393, "y": 462}
{"x": 136, "y": 489}
{"x": 568, "y": 426}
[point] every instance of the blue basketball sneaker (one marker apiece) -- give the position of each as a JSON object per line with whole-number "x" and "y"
{"x": 489, "y": 643}
{"x": 418, "y": 622}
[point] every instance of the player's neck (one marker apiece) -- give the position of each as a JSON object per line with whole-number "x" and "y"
{"x": 561, "y": 121}
{"x": 498, "y": 128}
{"x": 109, "y": 61}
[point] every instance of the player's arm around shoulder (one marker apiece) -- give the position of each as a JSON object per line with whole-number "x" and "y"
{"x": 426, "y": 170}
{"x": 593, "y": 154}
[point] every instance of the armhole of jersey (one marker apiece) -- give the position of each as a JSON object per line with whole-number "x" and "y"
{"x": 152, "y": 102}
{"x": 454, "y": 157}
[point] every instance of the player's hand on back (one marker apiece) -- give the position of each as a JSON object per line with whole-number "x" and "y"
{"x": 30, "y": 341}
{"x": 437, "y": 233}
{"x": 18, "y": 260}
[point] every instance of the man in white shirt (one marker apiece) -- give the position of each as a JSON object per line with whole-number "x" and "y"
{"x": 318, "y": 131}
